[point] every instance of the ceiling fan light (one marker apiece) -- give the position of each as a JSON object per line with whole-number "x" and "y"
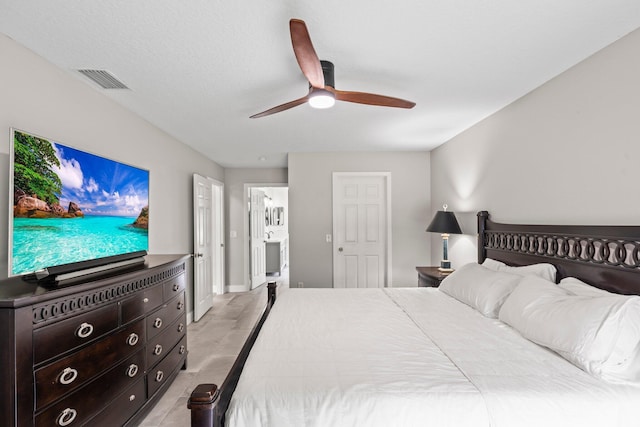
{"x": 321, "y": 98}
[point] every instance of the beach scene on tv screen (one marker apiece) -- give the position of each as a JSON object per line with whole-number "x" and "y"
{"x": 71, "y": 206}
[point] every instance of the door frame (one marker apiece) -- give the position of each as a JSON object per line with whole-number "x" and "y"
{"x": 219, "y": 242}
{"x": 246, "y": 232}
{"x": 388, "y": 242}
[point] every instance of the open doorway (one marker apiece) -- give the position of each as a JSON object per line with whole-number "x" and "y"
{"x": 268, "y": 225}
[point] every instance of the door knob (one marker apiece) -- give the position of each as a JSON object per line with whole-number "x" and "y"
{"x": 339, "y": 249}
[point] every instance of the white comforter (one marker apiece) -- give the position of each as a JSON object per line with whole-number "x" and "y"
{"x": 411, "y": 357}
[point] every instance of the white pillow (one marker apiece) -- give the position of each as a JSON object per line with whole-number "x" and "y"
{"x": 600, "y": 334}
{"x": 544, "y": 270}
{"x": 578, "y": 287}
{"x": 481, "y": 288}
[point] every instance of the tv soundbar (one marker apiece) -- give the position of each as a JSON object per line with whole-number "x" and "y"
{"x": 68, "y": 274}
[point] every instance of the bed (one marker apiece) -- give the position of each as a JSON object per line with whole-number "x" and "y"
{"x": 455, "y": 356}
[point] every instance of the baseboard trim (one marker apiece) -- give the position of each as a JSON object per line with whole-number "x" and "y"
{"x": 236, "y": 288}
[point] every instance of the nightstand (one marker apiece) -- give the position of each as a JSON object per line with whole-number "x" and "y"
{"x": 430, "y": 276}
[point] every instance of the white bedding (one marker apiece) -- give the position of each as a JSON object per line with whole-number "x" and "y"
{"x": 411, "y": 357}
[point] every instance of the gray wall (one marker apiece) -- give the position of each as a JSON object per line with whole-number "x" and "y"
{"x": 568, "y": 152}
{"x": 310, "y": 211}
{"x": 40, "y": 98}
{"x": 237, "y": 220}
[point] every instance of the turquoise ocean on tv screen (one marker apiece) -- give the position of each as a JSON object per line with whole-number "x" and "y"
{"x": 41, "y": 243}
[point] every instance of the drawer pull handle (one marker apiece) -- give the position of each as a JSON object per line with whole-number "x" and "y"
{"x": 146, "y": 300}
{"x": 157, "y": 350}
{"x": 66, "y": 417}
{"x": 132, "y": 370}
{"x": 84, "y": 330}
{"x": 132, "y": 339}
{"x": 132, "y": 398}
{"x": 159, "y": 376}
{"x": 182, "y": 349}
{"x": 176, "y": 287}
{"x": 180, "y": 327}
{"x": 68, "y": 376}
{"x": 180, "y": 305}
{"x": 157, "y": 323}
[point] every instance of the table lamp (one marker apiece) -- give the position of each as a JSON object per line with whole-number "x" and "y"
{"x": 445, "y": 223}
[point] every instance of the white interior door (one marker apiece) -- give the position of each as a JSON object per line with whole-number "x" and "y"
{"x": 257, "y": 237}
{"x": 361, "y": 232}
{"x": 202, "y": 246}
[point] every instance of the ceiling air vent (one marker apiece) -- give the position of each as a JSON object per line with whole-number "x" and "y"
{"x": 104, "y": 79}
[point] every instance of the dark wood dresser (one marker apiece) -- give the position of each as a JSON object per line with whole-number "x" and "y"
{"x": 98, "y": 353}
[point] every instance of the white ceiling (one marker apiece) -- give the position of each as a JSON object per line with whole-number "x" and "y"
{"x": 198, "y": 69}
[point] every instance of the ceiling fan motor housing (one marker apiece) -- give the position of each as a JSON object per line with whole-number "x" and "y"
{"x": 327, "y": 71}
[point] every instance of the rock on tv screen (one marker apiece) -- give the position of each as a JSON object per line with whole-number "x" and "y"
{"x": 69, "y": 206}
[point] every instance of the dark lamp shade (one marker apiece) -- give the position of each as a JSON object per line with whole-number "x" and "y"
{"x": 444, "y": 223}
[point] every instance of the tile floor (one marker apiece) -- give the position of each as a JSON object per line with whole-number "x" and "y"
{"x": 213, "y": 342}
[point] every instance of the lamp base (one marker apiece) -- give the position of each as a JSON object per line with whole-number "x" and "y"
{"x": 445, "y": 265}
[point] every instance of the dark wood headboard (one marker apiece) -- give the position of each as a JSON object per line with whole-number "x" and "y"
{"x": 607, "y": 257}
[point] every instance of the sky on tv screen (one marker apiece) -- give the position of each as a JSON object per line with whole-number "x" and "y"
{"x": 100, "y": 186}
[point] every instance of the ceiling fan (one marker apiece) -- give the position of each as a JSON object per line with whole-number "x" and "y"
{"x": 322, "y": 91}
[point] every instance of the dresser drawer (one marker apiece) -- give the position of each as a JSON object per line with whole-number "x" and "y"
{"x": 87, "y": 401}
{"x": 174, "y": 286}
{"x": 158, "y": 346}
{"x": 158, "y": 321}
{"x": 141, "y": 303}
{"x": 122, "y": 407}
{"x": 163, "y": 370}
{"x": 59, "y": 378}
{"x": 50, "y": 341}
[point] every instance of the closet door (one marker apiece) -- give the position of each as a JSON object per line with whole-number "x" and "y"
{"x": 361, "y": 230}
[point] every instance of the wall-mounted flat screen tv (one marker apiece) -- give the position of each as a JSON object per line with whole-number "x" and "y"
{"x": 71, "y": 209}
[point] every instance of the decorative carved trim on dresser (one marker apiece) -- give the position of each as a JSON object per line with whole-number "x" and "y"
{"x": 97, "y": 353}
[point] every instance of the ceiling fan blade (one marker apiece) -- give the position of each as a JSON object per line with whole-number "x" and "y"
{"x": 281, "y": 107}
{"x": 371, "y": 99}
{"x": 305, "y": 53}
